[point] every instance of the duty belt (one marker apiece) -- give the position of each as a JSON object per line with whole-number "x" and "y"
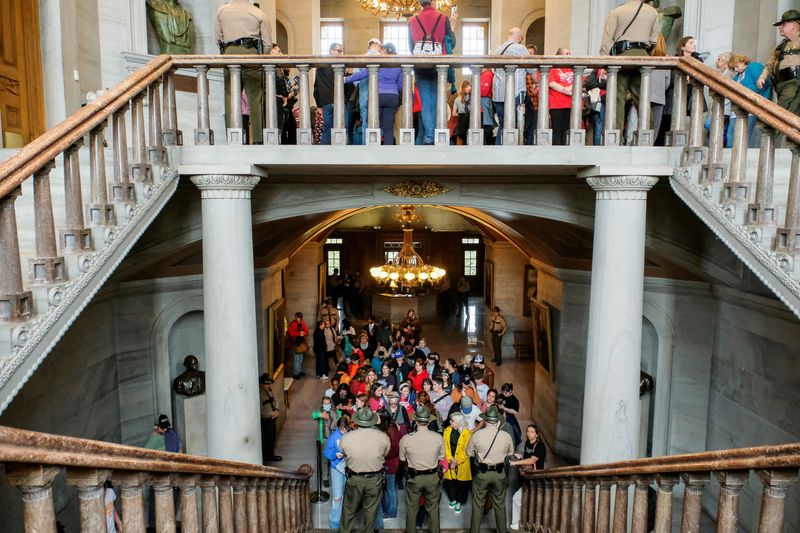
{"x": 245, "y": 42}
{"x": 483, "y": 467}
{"x": 414, "y": 472}
{"x": 363, "y": 474}
{"x": 623, "y": 46}
{"x": 788, "y": 73}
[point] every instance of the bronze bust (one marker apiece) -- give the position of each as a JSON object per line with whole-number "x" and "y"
{"x": 192, "y": 382}
{"x": 173, "y": 26}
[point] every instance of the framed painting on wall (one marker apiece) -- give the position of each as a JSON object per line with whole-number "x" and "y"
{"x": 276, "y": 335}
{"x": 531, "y": 288}
{"x": 542, "y": 335}
{"x": 488, "y": 283}
{"x": 322, "y": 283}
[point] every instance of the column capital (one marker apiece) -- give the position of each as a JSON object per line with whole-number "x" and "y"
{"x": 225, "y": 186}
{"x": 622, "y": 187}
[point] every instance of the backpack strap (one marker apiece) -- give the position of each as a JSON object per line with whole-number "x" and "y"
{"x": 433, "y": 31}
{"x": 425, "y": 34}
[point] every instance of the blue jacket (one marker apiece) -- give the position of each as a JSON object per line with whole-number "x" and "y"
{"x": 332, "y": 448}
{"x": 749, "y": 77}
{"x": 390, "y": 80}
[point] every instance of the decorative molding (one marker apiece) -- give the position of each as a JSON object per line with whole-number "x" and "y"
{"x": 622, "y": 187}
{"x": 417, "y": 189}
{"x": 225, "y": 186}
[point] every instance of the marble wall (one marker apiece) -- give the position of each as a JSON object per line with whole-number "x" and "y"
{"x": 302, "y": 282}
{"x": 509, "y": 274}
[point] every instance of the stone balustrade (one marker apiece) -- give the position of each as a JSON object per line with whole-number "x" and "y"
{"x": 585, "y": 499}
{"x": 234, "y": 496}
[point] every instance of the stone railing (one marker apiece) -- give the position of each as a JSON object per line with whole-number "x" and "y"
{"x": 579, "y": 499}
{"x": 233, "y": 496}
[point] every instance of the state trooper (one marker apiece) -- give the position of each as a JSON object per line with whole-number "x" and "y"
{"x": 631, "y": 30}
{"x": 784, "y": 65}
{"x": 489, "y": 447}
{"x": 242, "y": 28}
{"x": 365, "y": 453}
{"x": 422, "y": 451}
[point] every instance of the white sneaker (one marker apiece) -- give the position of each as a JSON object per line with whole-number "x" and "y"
{"x": 515, "y": 527}
{"x": 323, "y": 377}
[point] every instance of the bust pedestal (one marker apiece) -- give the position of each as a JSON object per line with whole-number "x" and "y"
{"x": 395, "y": 307}
{"x": 191, "y": 423}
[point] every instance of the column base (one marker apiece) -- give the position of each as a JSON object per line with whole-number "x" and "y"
{"x": 713, "y": 172}
{"x": 121, "y": 192}
{"x": 305, "y": 136}
{"x": 339, "y": 137}
{"x": 16, "y": 307}
{"x": 510, "y": 136}
{"x": 677, "y": 138}
{"x": 441, "y": 137}
{"x": 100, "y": 214}
{"x": 408, "y": 136}
{"x": 43, "y": 270}
{"x": 172, "y": 137}
{"x": 156, "y": 155}
{"x": 475, "y": 137}
{"x": 543, "y": 137}
{"x": 787, "y": 240}
{"x": 759, "y": 214}
{"x": 272, "y": 136}
{"x": 738, "y": 192}
{"x": 141, "y": 173}
{"x": 576, "y": 137}
{"x": 693, "y": 155}
{"x": 611, "y": 137}
{"x": 204, "y": 137}
{"x": 372, "y": 136}
{"x": 75, "y": 240}
{"x": 235, "y": 135}
{"x": 643, "y": 138}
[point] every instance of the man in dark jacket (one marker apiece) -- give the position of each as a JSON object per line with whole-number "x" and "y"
{"x": 323, "y": 94}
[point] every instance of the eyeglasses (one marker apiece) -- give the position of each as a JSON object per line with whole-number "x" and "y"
{"x": 338, "y": 50}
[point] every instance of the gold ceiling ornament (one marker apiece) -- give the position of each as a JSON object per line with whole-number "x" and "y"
{"x": 401, "y": 8}
{"x": 407, "y": 271}
{"x": 417, "y": 189}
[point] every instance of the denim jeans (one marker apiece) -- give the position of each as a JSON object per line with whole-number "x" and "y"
{"x": 500, "y": 108}
{"x": 298, "y": 364}
{"x": 598, "y": 120}
{"x": 363, "y": 105}
{"x": 389, "y": 503}
{"x": 427, "y": 93}
{"x": 327, "y": 124}
{"x": 337, "y": 496}
{"x": 751, "y": 130}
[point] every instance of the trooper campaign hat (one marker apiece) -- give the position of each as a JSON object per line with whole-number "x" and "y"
{"x": 492, "y": 414}
{"x": 423, "y": 414}
{"x": 793, "y": 15}
{"x": 365, "y": 418}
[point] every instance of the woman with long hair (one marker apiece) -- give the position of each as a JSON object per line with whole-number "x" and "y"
{"x": 534, "y": 455}
{"x": 458, "y": 477}
{"x": 461, "y": 111}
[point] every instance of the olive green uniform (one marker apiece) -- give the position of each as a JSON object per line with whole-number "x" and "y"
{"x": 786, "y": 56}
{"x": 422, "y": 451}
{"x": 490, "y": 476}
{"x": 365, "y": 450}
{"x": 644, "y": 30}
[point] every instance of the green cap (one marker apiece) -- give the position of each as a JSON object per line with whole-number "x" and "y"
{"x": 365, "y": 418}
{"x": 492, "y": 414}
{"x": 423, "y": 414}
{"x": 789, "y": 16}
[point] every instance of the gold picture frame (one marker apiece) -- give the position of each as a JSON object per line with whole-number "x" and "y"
{"x": 542, "y": 335}
{"x": 276, "y": 326}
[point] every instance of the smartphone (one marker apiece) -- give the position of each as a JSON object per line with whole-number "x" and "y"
{"x": 454, "y": 11}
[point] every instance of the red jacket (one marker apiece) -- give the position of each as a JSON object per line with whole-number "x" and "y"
{"x": 428, "y": 17}
{"x": 295, "y": 328}
{"x": 416, "y": 379}
{"x": 487, "y": 77}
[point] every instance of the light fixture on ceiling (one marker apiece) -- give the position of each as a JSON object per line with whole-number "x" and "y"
{"x": 408, "y": 269}
{"x": 401, "y": 8}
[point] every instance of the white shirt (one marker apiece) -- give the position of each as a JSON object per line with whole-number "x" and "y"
{"x": 472, "y": 418}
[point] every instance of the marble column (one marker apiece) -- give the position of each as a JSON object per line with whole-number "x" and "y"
{"x": 234, "y": 431}
{"x": 613, "y": 359}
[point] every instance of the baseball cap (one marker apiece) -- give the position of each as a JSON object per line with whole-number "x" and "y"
{"x": 374, "y": 40}
{"x": 466, "y": 401}
{"x": 478, "y": 359}
{"x": 163, "y": 421}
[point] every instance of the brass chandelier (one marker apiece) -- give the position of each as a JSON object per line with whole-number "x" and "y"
{"x": 408, "y": 269}
{"x": 399, "y": 8}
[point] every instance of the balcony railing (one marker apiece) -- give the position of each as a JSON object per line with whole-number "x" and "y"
{"x": 234, "y": 496}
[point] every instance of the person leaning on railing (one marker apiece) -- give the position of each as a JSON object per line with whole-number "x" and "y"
{"x": 784, "y": 65}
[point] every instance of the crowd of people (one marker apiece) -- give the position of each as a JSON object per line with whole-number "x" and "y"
{"x": 400, "y": 418}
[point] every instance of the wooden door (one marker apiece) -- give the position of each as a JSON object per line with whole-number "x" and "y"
{"x": 21, "y": 95}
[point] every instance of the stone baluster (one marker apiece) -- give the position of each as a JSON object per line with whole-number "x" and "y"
{"x": 547, "y": 516}
{"x": 664, "y": 485}
{"x": 575, "y": 508}
{"x": 190, "y": 522}
{"x": 75, "y": 237}
{"x": 527, "y": 495}
{"x": 252, "y": 505}
{"x": 543, "y": 135}
{"x": 272, "y": 504}
{"x": 441, "y": 134}
{"x": 588, "y": 506}
{"x": 47, "y": 266}
{"x": 510, "y": 131}
{"x": 235, "y": 131}
{"x": 131, "y": 488}
{"x": 339, "y": 131}
{"x": 694, "y": 483}
{"x": 101, "y": 213}
{"x": 239, "y": 505}
{"x": 787, "y": 240}
{"x": 120, "y": 189}
{"x": 272, "y": 134}
{"x": 540, "y": 494}
{"x": 713, "y": 170}
{"x": 225, "y": 506}
{"x": 555, "y": 511}
{"x": 208, "y": 490}
{"x": 140, "y": 170}
{"x": 644, "y": 136}
{"x": 604, "y": 506}
{"x": 156, "y": 153}
{"x": 15, "y": 303}
{"x": 730, "y": 485}
{"x": 372, "y": 131}
{"x": 693, "y": 154}
{"x": 611, "y": 130}
{"x": 172, "y": 135}
{"x": 678, "y": 135}
{"x": 91, "y": 496}
{"x": 566, "y": 504}
{"x": 164, "y": 502}
{"x": 620, "y": 524}
{"x": 35, "y": 482}
{"x": 773, "y": 501}
{"x": 263, "y": 518}
{"x": 304, "y": 132}
{"x": 761, "y": 212}
{"x": 737, "y": 190}
{"x": 407, "y": 136}
{"x": 304, "y": 514}
{"x": 576, "y": 136}
{"x": 639, "y": 518}
{"x": 203, "y": 134}
{"x": 294, "y": 505}
{"x": 283, "y": 503}
{"x": 475, "y": 132}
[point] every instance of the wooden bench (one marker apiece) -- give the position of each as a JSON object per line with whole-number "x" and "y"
{"x": 523, "y": 343}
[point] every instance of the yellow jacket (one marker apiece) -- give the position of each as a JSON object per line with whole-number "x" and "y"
{"x": 462, "y": 472}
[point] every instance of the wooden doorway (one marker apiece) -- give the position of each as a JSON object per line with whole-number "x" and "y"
{"x": 21, "y": 95}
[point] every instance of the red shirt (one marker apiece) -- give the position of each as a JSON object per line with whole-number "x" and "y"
{"x": 564, "y": 77}
{"x": 295, "y": 328}
{"x": 487, "y": 77}
{"x": 416, "y": 379}
{"x": 428, "y": 17}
